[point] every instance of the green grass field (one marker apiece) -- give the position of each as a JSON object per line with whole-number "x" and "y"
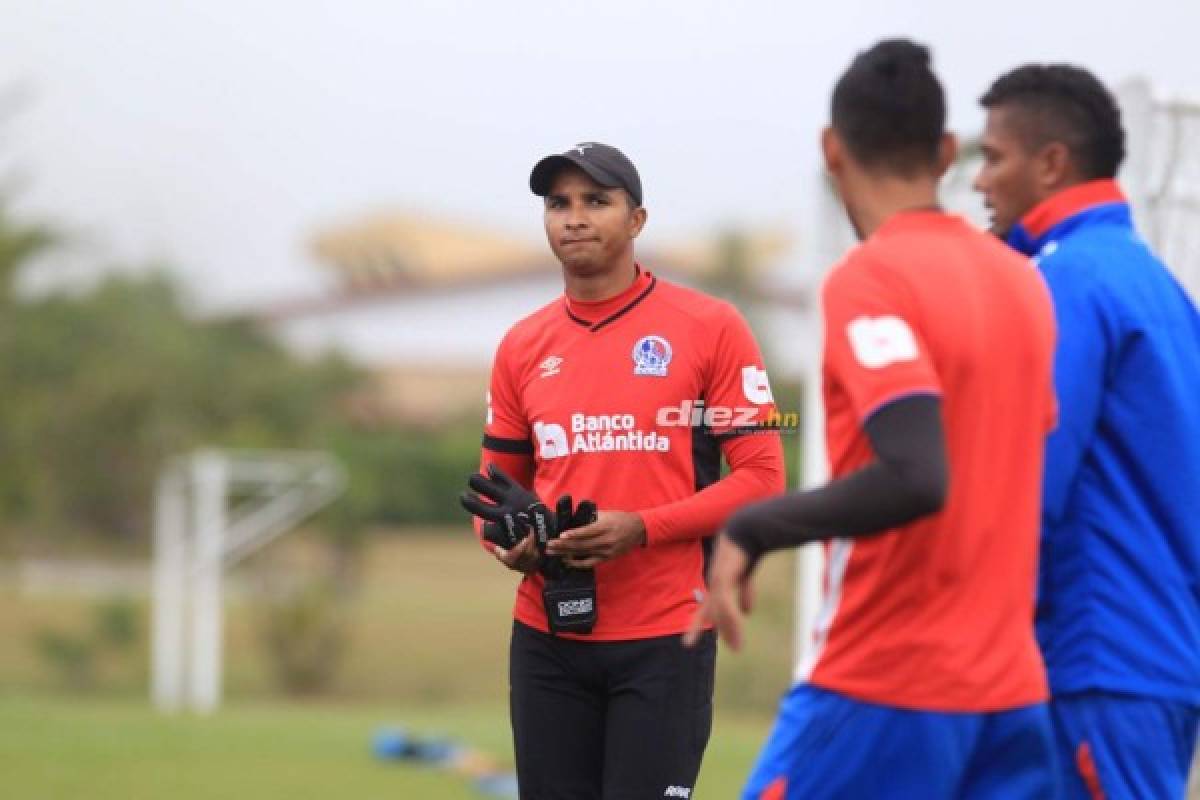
{"x": 105, "y": 749}
{"x": 428, "y": 629}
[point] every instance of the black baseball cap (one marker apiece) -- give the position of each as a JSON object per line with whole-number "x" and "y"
{"x": 603, "y": 163}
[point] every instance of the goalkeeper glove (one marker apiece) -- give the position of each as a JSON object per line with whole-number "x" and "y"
{"x": 513, "y": 513}
{"x": 569, "y": 594}
{"x": 584, "y": 514}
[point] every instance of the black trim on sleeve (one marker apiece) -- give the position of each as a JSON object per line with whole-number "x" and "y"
{"x": 907, "y": 480}
{"x": 706, "y": 458}
{"x": 706, "y": 470}
{"x": 520, "y": 447}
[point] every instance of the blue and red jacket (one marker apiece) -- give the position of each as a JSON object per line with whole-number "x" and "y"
{"x": 1119, "y": 587}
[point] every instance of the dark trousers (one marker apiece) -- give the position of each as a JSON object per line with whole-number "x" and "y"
{"x": 609, "y": 720}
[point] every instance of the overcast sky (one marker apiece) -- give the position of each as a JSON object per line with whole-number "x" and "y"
{"x": 220, "y": 135}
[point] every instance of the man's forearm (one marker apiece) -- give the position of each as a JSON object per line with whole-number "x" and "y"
{"x": 907, "y": 480}
{"x": 756, "y": 472}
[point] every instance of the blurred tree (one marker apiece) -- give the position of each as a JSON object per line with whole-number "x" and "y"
{"x": 100, "y": 387}
{"x": 74, "y": 655}
{"x": 19, "y": 243}
{"x": 306, "y": 636}
{"x": 106, "y": 385}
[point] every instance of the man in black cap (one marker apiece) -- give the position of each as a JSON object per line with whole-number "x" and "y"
{"x": 626, "y": 391}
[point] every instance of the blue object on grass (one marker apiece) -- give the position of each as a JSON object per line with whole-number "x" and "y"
{"x": 434, "y": 751}
{"x": 392, "y": 743}
{"x": 396, "y": 744}
{"x": 497, "y": 785}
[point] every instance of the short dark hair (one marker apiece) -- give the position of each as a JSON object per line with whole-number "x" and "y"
{"x": 1063, "y": 103}
{"x": 889, "y": 108}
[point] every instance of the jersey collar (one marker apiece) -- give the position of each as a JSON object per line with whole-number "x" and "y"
{"x": 915, "y": 217}
{"x": 1063, "y": 210}
{"x": 596, "y": 314}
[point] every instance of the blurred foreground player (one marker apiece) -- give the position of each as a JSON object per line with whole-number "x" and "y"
{"x": 925, "y": 681}
{"x": 627, "y": 391}
{"x": 1118, "y": 614}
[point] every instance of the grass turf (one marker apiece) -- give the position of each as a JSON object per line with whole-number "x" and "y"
{"x": 428, "y": 631}
{"x": 119, "y": 749}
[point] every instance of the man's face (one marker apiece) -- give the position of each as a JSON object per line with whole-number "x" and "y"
{"x": 1010, "y": 178}
{"x": 590, "y": 227}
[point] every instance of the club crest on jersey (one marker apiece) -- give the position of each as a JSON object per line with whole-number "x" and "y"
{"x": 651, "y": 355}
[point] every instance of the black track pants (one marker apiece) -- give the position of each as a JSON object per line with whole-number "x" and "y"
{"x": 622, "y": 720}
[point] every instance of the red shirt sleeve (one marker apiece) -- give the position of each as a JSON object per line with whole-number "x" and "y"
{"x": 506, "y": 441}
{"x": 738, "y": 401}
{"x": 506, "y": 428}
{"x": 873, "y": 345}
{"x": 737, "y": 378}
{"x": 756, "y": 471}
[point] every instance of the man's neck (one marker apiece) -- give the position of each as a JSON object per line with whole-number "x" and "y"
{"x": 886, "y": 197}
{"x": 600, "y": 286}
{"x": 1069, "y": 181}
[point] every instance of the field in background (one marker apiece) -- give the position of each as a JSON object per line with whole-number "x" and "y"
{"x": 428, "y": 628}
{"x": 55, "y": 748}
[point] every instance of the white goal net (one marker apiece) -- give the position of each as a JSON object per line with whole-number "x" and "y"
{"x": 1162, "y": 176}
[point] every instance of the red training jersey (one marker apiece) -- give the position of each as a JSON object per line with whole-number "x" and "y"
{"x": 631, "y": 402}
{"x": 938, "y": 614}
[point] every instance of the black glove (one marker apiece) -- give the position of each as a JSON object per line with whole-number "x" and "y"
{"x": 552, "y": 567}
{"x": 513, "y": 513}
{"x": 569, "y": 594}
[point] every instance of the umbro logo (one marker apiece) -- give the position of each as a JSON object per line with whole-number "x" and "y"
{"x": 550, "y": 366}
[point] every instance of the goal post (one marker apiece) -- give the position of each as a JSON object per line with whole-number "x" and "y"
{"x": 833, "y": 237}
{"x": 212, "y": 509}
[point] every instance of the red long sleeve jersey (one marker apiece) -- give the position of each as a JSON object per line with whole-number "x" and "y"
{"x": 938, "y": 613}
{"x": 631, "y": 402}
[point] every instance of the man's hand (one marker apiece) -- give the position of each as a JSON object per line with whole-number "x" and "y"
{"x": 613, "y": 533}
{"x": 523, "y": 557}
{"x": 513, "y": 512}
{"x": 730, "y": 594}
